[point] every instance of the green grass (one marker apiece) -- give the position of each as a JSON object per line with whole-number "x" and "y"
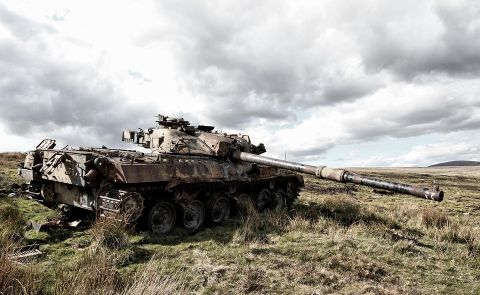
{"x": 340, "y": 239}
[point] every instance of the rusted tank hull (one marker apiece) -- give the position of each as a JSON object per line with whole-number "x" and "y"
{"x": 111, "y": 181}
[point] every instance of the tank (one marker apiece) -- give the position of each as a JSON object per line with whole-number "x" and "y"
{"x": 190, "y": 175}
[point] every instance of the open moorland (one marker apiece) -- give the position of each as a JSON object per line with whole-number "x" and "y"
{"x": 339, "y": 239}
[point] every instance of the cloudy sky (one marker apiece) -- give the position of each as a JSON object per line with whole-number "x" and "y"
{"x": 341, "y": 83}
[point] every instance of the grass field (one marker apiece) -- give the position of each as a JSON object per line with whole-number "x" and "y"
{"x": 340, "y": 239}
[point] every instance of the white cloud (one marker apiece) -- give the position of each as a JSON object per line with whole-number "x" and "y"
{"x": 303, "y": 76}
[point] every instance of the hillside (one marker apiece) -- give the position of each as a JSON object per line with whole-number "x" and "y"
{"x": 456, "y": 163}
{"x": 339, "y": 239}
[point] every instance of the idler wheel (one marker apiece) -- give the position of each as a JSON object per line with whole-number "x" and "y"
{"x": 279, "y": 200}
{"x": 131, "y": 206}
{"x": 193, "y": 216}
{"x": 219, "y": 210}
{"x": 263, "y": 200}
{"x": 161, "y": 218}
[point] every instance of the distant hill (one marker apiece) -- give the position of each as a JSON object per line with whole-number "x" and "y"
{"x": 456, "y": 163}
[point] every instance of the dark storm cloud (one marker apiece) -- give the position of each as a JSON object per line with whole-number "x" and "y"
{"x": 42, "y": 94}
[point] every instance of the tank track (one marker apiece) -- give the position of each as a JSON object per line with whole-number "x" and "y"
{"x": 192, "y": 205}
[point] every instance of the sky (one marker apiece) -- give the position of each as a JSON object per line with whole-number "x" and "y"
{"x": 338, "y": 83}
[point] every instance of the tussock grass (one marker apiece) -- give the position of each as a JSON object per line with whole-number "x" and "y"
{"x": 462, "y": 234}
{"x": 110, "y": 233}
{"x": 432, "y": 217}
{"x": 12, "y": 223}
{"x": 256, "y": 226}
{"x": 14, "y": 277}
{"x": 333, "y": 215}
{"x": 95, "y": 271}
{"x": 344, "y": 211}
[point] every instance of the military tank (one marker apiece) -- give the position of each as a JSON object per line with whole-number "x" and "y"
{"x": 191, "y": 175}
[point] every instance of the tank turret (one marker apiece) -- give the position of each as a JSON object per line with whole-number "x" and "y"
{"x": 175, "y": 135}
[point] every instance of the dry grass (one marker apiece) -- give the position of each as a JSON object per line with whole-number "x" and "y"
{"x": 14, "y": 277}
{"x": 463, "y": 234}
{"x": 12, "y": 223}
{"x": 11, "y": 160}
{"x": 95, "y": 272}
{"x": 336, "y": 241}
{"x": 255, "y": 226}
{"x": 110, "y": 234}
{"x": 432, "y": 217}
{"x": 153, "y": 280}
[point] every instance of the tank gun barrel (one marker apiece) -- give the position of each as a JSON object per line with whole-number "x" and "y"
{"x": 341, "y": 175}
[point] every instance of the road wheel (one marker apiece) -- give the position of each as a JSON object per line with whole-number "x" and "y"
{"x": 193, "y": 216}
{"x": 219, "y": 210}
{"x": 161, "y": 218}
{"x": 263, "y": 200}
{"x": 279, "y": 200}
